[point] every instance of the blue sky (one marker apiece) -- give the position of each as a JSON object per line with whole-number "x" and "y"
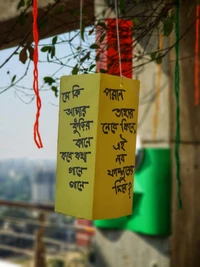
{"x": 17, "y": 119}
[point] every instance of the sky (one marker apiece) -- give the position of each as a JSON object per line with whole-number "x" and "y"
{"x": 17, "y": 119}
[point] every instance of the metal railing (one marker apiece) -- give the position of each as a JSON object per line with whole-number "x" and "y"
{"x": 43, "y": 247}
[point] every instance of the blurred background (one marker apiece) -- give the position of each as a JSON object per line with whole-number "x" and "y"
{"x": 159, "y": 46}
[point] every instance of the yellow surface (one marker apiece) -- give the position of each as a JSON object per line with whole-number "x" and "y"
{"x": 108, "y": 116}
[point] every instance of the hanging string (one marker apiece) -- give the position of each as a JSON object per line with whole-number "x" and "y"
{"x": 118, "y": 41}
{"x": 177, "y": 90}
{"x": 157, "y": 98}
{"x": 81, "y": 25}
{"x": 37, "y": 137}
{"x": 196, "y": 71}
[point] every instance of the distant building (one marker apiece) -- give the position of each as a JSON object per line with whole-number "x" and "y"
{"x": 85, "y": 233}
{"x": 43, "y": 187}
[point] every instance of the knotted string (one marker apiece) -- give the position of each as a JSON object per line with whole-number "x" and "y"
{"x": 196, "y": 71}
{"x": 157, "y": 98}
{"x": 37, "y": 137}
{"x": 177, "y": 90}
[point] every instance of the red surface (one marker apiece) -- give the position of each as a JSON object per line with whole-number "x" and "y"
{"x": 83, "y": 222}
{"x": 108, "y": 52}
{"x": 84, "y": 236}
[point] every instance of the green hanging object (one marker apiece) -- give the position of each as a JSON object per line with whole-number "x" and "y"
{"x": 177, "y": 90}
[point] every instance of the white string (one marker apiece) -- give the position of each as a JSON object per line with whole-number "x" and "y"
{"x": 131, "y": 82}
{"x": 81, "y": 23}
{"x": 118, "y": 42}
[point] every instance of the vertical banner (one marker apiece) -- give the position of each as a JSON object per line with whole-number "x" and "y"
{"x": 96, "y": 146}
{"x": 107, "y": 53}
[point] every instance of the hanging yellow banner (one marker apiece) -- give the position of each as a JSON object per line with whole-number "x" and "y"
{"x": 96, "y": 146}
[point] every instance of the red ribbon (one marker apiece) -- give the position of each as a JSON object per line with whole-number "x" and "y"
{"x": 37, "y": 137}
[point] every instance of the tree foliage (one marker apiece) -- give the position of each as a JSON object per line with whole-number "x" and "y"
{"x": 150, "y": 19}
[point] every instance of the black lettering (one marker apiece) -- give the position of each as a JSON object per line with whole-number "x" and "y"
{"x": 109, "y": 127}
{"x": 83, "y": 142}
{"x": 80, "y": 125}
{"x": 124, "y": 112}
{"x": 78, "y": 184}
{"x": 120, "y": 144}
{"x": 76, "y": 90}
{"x": 120, "y": 158}
{"x": 76, "y": 171}
{"x": 77, "y": 111}
{"x": 114, "y": 94}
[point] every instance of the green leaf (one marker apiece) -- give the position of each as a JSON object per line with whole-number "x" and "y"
{"x": 97, "y": 57}
{"x": 92, "y": 67}
{"x": 23, "y": 55}
{"x": 83, "y": 31}
{"x": 167, "y": 26}
{"x": 13, "y": 78}
{"x": 135, "y": 21}
{"x": 110, "y": 65}
{"x": 91, "y": 31}
{"x": 60, "y": 9}
{"x": 46, "y": 48}
{"x": 94, "y": 46}
{"x": 109, "y": 46}
{"x": 103, "y": 71}
{"x": 21, "y": 4}
{"x": 153, "y": 55}
{"x": 48, "y": 80}
{"x": 75, "y": 70}
{"x": 54, "y": 40}
{"x": 150, "y": 4}
{"x": 53, "y": 51}
{"x": 55, "y": 90}
{"x": 22, "y": 18}
{"x": 173, "y": 17}
{"x": 87, "y": 56}
{"x": 102, "y": 37}
{"x": 28, "y": 2}
{"x": 43, "y": 24}
{"x": 159, "y": 59}
{"x": 122, "y": 6}
{"x": 102, "y": 24}
{"x": 31, "y": 51}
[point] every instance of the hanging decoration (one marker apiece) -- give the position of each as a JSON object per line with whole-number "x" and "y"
{"x": 157, "y": 96}
{"x": 177, "y": 92}
{"x": 196, "y": 71}
{"x": 37, "y": 137}
{"x": 108, "y": 52}
{"x": 96, "y": 144}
